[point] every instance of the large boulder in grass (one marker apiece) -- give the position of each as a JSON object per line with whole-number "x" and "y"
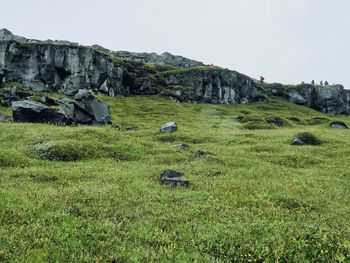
{"x": 90, "y": 110}
{"x": 85, "y": 109}
{"x": 169, "y": 127}
{"x": 31, "y": 111}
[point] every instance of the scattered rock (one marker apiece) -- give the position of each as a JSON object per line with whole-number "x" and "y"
{"x": 132, "y": 128}
{"x": 9, "y": 95}
{"x": 169, "y": 127}
{"x": 305, "y": 138}
{"x": 4, "y": 117}
{"x": 31, "y": 111}
{"x": 200, "y": 153}
{"x": 173, "y": 178}
{"x": 181, "y": 146}
{"x": 338, "y": 125}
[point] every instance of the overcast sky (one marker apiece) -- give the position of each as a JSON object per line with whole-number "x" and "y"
{"x": 287, "y": 41}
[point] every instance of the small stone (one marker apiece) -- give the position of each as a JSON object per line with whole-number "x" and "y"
{"x": 173, "y": 178}
{"x": 338, "y": 125}
{"x": 169, "y": 127}
{"x": 297, "y": 141}
{"x": 200, "y": 153}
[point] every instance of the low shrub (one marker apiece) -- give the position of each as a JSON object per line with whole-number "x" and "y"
{"x": 308, "y": 138}
{"x": 74, "y": 150}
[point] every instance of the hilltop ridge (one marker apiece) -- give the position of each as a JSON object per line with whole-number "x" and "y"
{"x": 66, "y": 67}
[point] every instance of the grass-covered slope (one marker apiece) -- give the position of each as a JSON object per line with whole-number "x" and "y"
{"x": 85, "y": 194}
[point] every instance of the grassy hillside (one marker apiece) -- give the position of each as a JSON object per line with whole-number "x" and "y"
{"x": 85, "y": 194}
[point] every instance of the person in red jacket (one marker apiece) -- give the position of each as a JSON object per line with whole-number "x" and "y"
{"x": 262, "y": 79}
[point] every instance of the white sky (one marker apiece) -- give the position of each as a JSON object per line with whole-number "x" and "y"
{"x": 287, "y": 41}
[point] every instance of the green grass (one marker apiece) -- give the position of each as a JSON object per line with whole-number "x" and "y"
{"x": 86, "y": 194}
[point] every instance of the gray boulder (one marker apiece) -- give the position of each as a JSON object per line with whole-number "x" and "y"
{"x": 173, "y": 178}
{"x": 90, "y": 110}
{"x": 35, "y": 112}
{"x": 169, "y": 127}
{"x": 338, "y": 125}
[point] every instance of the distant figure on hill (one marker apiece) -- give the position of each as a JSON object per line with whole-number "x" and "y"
{"x": 312, "y": 82}
{"x": 212, "y": 66}
{"x": 262, "y": 79}
{"x": 321, "y": 83}
{"x": 326, "y": 83}
{"x": 303, "y": 82}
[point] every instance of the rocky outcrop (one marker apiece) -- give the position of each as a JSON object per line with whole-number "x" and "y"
{"x": 85, "y": 109}
{"x": 62, "y": 66}
{"x": 328, "y": 99}
{"x": 66, "y": 67}
{"x": 212, "y": 86}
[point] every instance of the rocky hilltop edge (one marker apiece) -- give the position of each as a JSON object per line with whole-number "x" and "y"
{"x": 66, "y": 67}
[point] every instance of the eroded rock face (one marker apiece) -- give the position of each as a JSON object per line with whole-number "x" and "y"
{"x": 328, "y": 99}
{"x": 214, "y": 86}
{"x": 59, "y": 68}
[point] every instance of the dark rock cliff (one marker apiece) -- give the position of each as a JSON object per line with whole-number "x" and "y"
{"x": 66, "y": 67}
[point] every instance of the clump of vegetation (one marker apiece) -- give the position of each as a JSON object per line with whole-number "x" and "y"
{"x": 318, "y": 120}
{"x": 74, "y": 150}
{"x": 13, "y": 158}
{"x": 71, "y": 211}
{"x": 308, "y": 138}
{"x": 296, "y": 120}
{"x": 277, "y": 121}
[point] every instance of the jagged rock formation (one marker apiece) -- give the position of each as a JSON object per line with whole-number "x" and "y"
{"x": 328, "y": 99}
{"x": 214, "y": 86}
{"x": 84, "y": 109}
{"x": 66, "y": 67}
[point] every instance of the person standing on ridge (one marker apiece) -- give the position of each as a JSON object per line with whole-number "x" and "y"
{"x": 312, "y": 82}
{"x": 262, "y": 79}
